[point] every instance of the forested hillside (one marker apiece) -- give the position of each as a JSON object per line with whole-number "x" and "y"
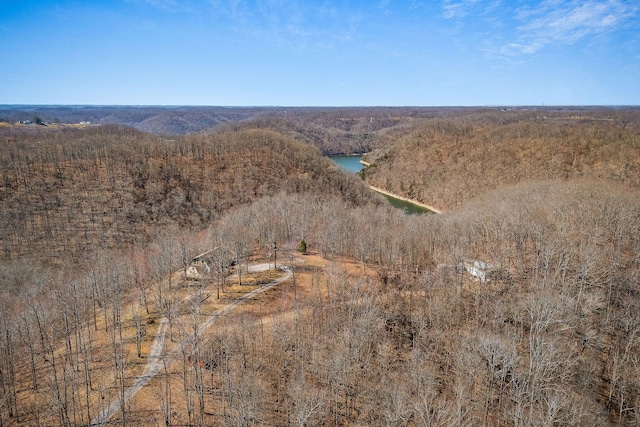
{"x": 345, "y": 130}
{"x": 443, "y": 163}
{"x": 518, "y": 308}
{"x": 69, "y": 191}
{"x": 153, "y": 119}
{"x": 332, "y": 130}
{"x": 394, "y": 336}
{"x": 552, "y": 340}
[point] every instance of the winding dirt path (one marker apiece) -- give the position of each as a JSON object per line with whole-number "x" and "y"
{"x": 154, "y": 363}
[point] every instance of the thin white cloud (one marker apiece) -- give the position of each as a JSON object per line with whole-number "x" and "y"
{"x": 170, "y": 5}
{"x": 452, "y": 9}
{"x": 556, "y": 22}
{"x": 296, "y": 24}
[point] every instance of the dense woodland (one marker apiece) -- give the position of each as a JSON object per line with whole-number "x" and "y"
{"x": 66, "y": 191}
{"x": 445, "y": 162}
{"x": 334, "y": 130}
{"x": 377, "y": 324}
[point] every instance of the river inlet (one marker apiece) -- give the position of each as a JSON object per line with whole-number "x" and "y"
{"x": 352, "y": 164}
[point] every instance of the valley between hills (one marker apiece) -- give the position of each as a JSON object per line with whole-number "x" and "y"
{"x": 211, "y": 266}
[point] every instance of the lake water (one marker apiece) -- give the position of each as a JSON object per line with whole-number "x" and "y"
{"x": 352, "y": 164}
{"x": 407, "y": 207}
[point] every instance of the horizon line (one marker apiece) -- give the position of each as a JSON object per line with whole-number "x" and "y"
{"x": 6, "y": 106}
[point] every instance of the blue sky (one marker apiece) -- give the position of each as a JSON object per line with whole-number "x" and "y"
{"x": 320, "y": 53}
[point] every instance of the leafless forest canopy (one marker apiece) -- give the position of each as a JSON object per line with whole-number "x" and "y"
{"x": 446, "y": 162}
{"x": 68, "y": 191}
{"x": 379, "y": 323}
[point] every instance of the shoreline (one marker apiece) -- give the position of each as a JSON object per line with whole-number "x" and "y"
{"x": 395, "y": 196}
{"x": 404, "y": 199}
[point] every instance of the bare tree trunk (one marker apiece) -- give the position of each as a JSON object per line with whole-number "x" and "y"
{"x": 87, "y": 349}
{"x": 165, "y": 393}
{"x": 7, "y": 373}
{"x": 140, "y": 331}
{"x": 24, "y": 332}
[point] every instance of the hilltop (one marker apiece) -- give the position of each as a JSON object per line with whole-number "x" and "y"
{"x": 446, "y": 162}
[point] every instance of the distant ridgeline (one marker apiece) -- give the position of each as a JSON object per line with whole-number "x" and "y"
{"x": 343, "y": 130}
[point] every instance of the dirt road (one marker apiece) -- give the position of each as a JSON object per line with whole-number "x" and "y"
{"x": 154, "y": 363}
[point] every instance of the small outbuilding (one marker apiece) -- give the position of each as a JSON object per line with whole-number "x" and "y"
{"x": 481, "y": 270}
{"x": 200, "y": 266}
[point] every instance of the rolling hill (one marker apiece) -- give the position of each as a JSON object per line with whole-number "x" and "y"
{"x": 109, "y": 186}
{"x": 444, "y": 163}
